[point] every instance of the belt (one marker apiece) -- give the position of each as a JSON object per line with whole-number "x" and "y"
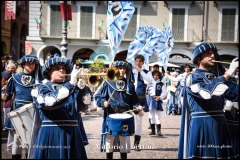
{"x": 205, "y": 114}
{"x": 69, "y": 123}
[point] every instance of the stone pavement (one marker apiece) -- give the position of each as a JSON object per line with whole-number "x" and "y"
{"x": 153, "y": 147}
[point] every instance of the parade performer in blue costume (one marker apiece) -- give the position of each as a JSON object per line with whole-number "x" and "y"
{"x": 142, "y": 78}
{"x": 61, "y": 135}
{"x": 172, "y": 98}
{"x": 19, "y": 88}
{"x": 204, "y": 132}
{"x": 231, "y": 111}
{"x": 156, "y": 93}
{"x": 181, "y": 79}
{"x": 84, "y": 97}
{"x": 117, "y": 97}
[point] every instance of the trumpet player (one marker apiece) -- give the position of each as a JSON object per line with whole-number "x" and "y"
{"x": 61, "y": 134}
{"x": 142, "y": 77}
{"x": 116, "y": 97}
{"x": 204, "y": 132}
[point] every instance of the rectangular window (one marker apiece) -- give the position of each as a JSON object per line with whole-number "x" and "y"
{"x": 228, "y": 24}
{"x": 86, "y": 21}
{"x": 178, "y": 18}
{"x": 56, "y": 21}
{"x": 132, "y": 27}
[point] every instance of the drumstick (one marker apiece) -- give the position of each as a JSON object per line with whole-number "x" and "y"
{"x": 220, "y": 62}
{"x": 111, "y": 96}
{"x": 132, "y": 110}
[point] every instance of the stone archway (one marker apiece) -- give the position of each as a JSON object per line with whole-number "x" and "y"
{"x": 82, "y": 54}
{"x": 45, "y": 51}
{"x": 121, "y": 55}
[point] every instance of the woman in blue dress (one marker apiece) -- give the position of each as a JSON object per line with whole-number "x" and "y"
{"x": 172, "y": 97}
{"x": 61, "y": 135}
{"x": 204, "y": 131}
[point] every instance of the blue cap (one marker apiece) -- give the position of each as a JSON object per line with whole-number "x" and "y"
{"x": 199, "y": 49}
{"x": 55, "y": 61}
{"x": 28, "y": 58}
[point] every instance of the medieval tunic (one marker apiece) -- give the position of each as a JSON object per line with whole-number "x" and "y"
{"x": 204, "y": 132}
{"x": 20, "y": 86}
{"x": 123, "y": 98}
{"x": 61, "y": 135}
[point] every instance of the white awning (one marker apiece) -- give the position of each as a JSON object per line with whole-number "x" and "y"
{"x": 160, "y": 64}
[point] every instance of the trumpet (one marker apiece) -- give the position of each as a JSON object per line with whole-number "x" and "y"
{"x": 220, "y": 62}
{"x": 95, "y": 79}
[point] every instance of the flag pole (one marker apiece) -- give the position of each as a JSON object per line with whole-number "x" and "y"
{"x": 64, "y": 42}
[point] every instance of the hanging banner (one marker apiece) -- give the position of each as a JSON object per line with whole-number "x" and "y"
{"x": 10, "y": 10}
{"x": 28, "y": 48}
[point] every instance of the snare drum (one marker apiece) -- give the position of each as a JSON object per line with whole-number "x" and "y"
{"x": 22, "y": 120}
{"x": 120, "y": 124}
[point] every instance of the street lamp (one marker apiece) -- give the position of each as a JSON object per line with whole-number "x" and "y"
{"x": 64, "y": 42}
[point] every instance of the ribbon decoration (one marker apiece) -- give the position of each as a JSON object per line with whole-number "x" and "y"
{"x": 119, "y": 15}
{"x": 149, "y": 40}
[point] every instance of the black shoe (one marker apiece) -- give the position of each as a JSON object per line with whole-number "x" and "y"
{"x": 149, "y": 127}
{"x": 136, "y": 142}
{"x": 109, "y": 155}
{"x": 159, "y": 129}
{"x": 153, "y": 129}
{"x": 16, "y": 156}
{"x": 123, "y": 155}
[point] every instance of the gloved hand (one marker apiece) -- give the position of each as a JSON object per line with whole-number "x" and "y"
{"x": 233, "y": 66}
{"x": 74, "y": 74}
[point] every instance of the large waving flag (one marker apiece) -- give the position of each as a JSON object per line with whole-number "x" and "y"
{"x": 118, "y": 16}
{"x": 149, "y": 40}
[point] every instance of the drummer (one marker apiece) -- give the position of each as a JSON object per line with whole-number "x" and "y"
{"x": 116, "y": 97}
{"x": 20, "y": 86}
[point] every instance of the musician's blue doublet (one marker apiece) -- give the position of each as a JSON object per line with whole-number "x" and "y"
{"x": 61, "y": 135}
{"x": 141, "y": 86}
{"x": 152, "y": 104}
{"x": 204, "y": 130}
{"x": 20, "y": 86}
{"x": 123, "y": 99}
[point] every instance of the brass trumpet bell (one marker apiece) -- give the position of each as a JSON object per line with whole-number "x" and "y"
{"x": 113, "y": 74}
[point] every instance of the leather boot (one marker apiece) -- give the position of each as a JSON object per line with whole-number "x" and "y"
{"x": 123, "y": 155}
{"x": 149, "y": 127}
{"x": 153, "y": 129}
{"x": 136, "y": 142}
{"x": 16, "y": 156}
{"x": 159, "y": 130}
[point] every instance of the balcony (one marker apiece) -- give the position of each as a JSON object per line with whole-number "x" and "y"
{"x": 86, "y": 33}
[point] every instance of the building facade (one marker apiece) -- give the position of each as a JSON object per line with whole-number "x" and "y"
{"x": 15, "y": 31}
{"x": 192, "y": 22}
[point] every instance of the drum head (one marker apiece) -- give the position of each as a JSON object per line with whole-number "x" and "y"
{"x": 120, "y": 116}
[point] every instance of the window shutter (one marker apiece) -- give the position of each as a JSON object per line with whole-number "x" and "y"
{"x": 178, "y": 17}
{"x": 228, "y": 24}
{"x": 56, "y": 21}
{"x": 86, "y": 22}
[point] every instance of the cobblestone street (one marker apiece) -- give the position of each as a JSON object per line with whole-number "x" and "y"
{"x": 153, "y": 147}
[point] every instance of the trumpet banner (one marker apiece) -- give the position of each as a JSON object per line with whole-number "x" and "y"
{"x": 149, "y": 40}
